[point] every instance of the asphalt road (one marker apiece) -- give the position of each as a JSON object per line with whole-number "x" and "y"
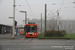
{"x": 37, "y": 44}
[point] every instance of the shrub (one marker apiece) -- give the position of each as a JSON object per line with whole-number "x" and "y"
{"x": 54, "y": 33}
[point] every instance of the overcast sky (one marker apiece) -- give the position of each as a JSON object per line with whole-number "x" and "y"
{"x": 36, "y": 8}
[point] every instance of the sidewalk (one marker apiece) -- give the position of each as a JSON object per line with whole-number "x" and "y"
{"x": 8, "y": 36}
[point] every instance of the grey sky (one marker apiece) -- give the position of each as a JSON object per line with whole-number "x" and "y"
{"x": 37, "y": 7}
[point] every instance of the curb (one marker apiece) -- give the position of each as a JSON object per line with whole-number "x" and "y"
{"x": 55, "y": 38}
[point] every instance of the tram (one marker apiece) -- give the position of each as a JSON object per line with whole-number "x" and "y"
{"x": 31, "y": 30}
{"x": 21, "y": 31}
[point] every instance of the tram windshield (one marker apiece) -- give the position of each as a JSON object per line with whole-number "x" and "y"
{"x": 30, "y": 28}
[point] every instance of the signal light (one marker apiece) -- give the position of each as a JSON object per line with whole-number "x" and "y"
{"x": 15, "y": 23}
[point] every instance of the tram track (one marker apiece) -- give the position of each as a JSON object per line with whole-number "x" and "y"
{"x": 25, "y": 39}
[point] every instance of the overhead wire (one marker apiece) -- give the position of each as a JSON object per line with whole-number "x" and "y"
{"x": 62, "y": 4}
{"x": 17, "y": 9}
{"x": 30, "y": 8}
{"x": 60, "y": 1}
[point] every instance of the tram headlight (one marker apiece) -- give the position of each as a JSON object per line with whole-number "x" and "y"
{"x": 35, "y": 33}
{"x": 26, "y": 33}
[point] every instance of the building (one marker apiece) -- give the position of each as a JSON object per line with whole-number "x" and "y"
{"x": 5, "y": 27}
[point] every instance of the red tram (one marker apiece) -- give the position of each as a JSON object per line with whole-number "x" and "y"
{"x": 31, "y": 30}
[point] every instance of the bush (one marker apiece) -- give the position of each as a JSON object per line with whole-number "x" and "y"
{"x": 54, "y": 33}
{"x": 63, "y": 33}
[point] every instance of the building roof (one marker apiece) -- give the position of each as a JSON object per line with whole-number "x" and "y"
{"x": 5, "y": 25}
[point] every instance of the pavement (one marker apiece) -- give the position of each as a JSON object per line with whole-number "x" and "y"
{"x": 8, "y": 36}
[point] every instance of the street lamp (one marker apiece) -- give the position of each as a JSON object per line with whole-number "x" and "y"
{"x": 53, "y": 4}
{"x": 25, "y": 16}
{"x": 74, "y": 2}
{"x": 11, "y": 17}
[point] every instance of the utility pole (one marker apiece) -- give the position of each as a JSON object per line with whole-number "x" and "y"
{"x": 68, "y": 25}
{"x": 41, "y": 22}
{"x": 13, "y": 36}
{"x": 45, "y": 16}
{"x": 25, "y": 17}
{"x": 63, "y": 24}
{"x": 58, "y": 19}
{"x": 53, "y": 23}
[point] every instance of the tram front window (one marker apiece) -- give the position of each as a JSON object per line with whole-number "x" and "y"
{"x": 30, "y": 28}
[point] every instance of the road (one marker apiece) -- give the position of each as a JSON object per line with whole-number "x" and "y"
{"x": 36, "y": 44}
